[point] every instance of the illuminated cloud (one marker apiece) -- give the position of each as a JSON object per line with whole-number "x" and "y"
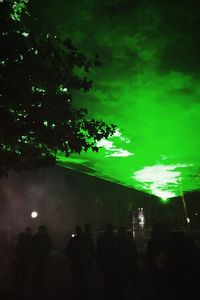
{"x": 161, "y": 180}
{"x": 148, "y": 86}
{"x": 112, "y": 150}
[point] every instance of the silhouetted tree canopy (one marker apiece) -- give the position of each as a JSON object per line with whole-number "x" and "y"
{"x": 38, "y": 72}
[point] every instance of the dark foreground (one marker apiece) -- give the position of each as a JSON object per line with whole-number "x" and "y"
{"x": 57, "y": 285}
{"x": 167, "y": 269}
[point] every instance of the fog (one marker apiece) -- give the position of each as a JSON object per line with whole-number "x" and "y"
{"x": 62, "y": 198}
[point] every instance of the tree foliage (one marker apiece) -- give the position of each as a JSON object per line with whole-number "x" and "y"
{"x": 38, "y": 73}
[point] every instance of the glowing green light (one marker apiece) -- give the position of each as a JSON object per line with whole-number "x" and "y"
{"x": 63, "y": 158}
{"x": 48, "y": 124}
{"x": 156, "y": 107}
{"x": 38, "y": 90}
{"x": 62, "y": 90}
{"x": 158, "y": 126}
{"x": 164, "y": 200}
{"x": 110, "y": 147}
{"x": 25, "y": 34}
{"x": 157, "y": 179}
{"x": 17, "y": 9}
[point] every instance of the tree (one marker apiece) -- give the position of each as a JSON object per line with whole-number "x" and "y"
{"x": 38, "y": 73}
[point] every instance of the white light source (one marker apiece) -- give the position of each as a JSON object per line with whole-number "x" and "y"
{"x": 188, "y": 220}
{"x": 141, "y": 217}
{"x": 160, "y": 180}
{"x": 34, "y": 214}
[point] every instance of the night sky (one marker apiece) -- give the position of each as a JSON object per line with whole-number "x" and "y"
{"x": 148, "y": 86}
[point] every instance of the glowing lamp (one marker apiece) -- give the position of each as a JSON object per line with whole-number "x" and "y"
{"x": 34, "y": 214}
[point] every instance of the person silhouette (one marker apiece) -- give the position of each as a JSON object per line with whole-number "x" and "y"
{"x": 132, "y": 264}
{"x": 106, "y": 258}
{"x": 23, "y": 257}
{"x": 88, "y": 249}
{"x": 74, "y": 251}
{"x": 121, "y": 263}
{"x": 19, "y": 274}
{"x": 41, "y": 248}
{"x": 28, "y": 252}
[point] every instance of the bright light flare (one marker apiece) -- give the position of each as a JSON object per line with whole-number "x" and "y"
{"x": 34, "y": 214}
{"x": 160, "y": 180}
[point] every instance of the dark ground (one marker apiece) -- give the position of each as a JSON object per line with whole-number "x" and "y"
{"x": 57, "y": 284}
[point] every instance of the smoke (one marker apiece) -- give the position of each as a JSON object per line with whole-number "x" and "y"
{"x": 149, "y": 82}
{"x": 46, "y": 192}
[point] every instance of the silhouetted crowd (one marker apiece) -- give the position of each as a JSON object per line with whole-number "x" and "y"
{"x": 116, "y": 258}
{"x": 31, "y": 252}
{"x": 167, "y": 270}
{"x": 172, "y": 266}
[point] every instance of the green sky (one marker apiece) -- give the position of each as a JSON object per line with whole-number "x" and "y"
{"x": 149, "y": 85}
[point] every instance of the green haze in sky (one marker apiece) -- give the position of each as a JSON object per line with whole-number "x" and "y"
{"x": 149, "y": 86}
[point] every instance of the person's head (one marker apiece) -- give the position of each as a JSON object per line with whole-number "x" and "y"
{"x": 87, "y": 227}
{"x": 28, "y": 230}
{"x": 78, "y": 230}
{"x": 42, "y": 229}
